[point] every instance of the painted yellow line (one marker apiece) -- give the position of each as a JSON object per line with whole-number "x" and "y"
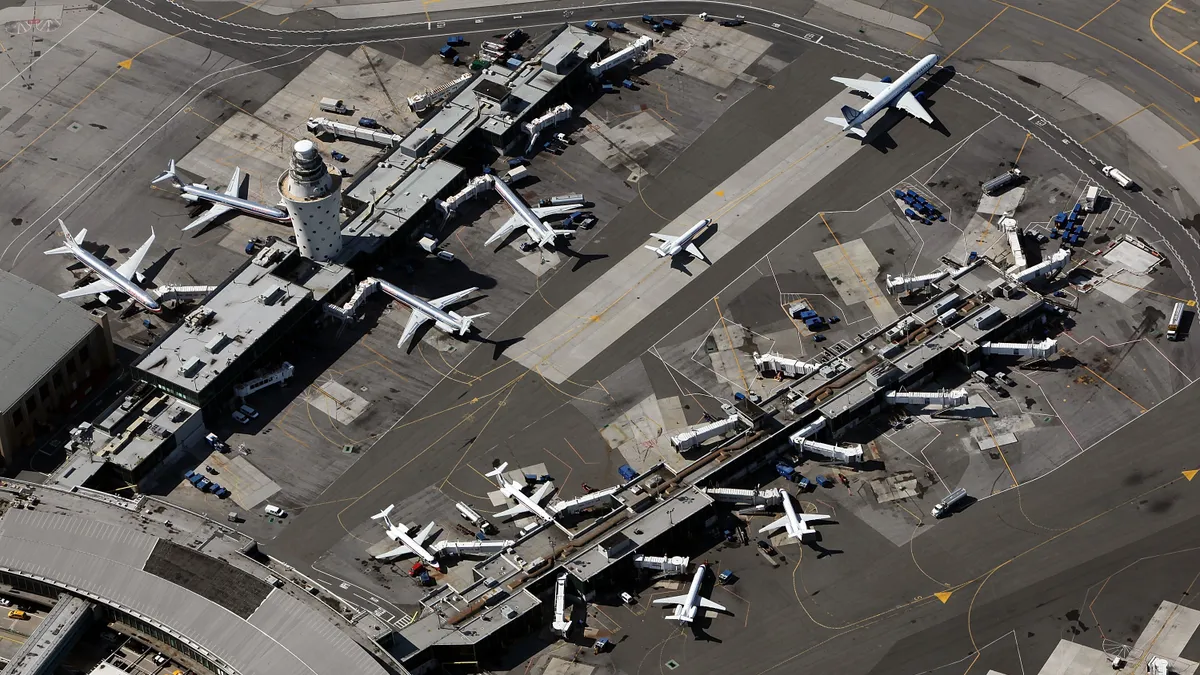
{"x": 1037, "y": 42}
{"x": 911, "y": 34}
{"x": 1115, "y": 125}
{"x": 1018, "y": 159}
{"x": 1189, "y": 143}
{"x": 1070, "y": 56}
{"x": 1102, "y": 72}
{"x": 1085, "y": 23}
{"x": 1181, "y": 51}
{"x": 920, "y": 11}
{"x": 964, "y": 44}
{"x": 1181, "y": 11}
{"x": 850, "y": 262}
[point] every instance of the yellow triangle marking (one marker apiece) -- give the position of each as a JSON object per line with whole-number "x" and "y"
{"x": 126, "y": 64}
{"x": 720, "y": 193}
{"x": 1191, "y": 474}
{"x": 944, "y": 596}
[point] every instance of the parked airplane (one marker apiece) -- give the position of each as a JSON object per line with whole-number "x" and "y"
{"x": 689, "y": 605}
{"x": 796, "y": 524}
{"x": 222, "y": 202}
{"x": 124, "y": 279}
{"x": 538, "y": 230}
{"x": 530, "y": 504}
{"x": 884, "y": 94}
{"x": 409, "y": 544}
{"x": 673, "y": 246}
{"x": 431, "y": 310}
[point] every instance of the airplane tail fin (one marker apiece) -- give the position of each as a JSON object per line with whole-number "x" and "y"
{"x": 169, "y": 174}
{"x": 495, "y": 473}
{"x": 384, "y": 513}
{"x": 468, "y": 320}
{"x": 849, "y": 113}
{"x": 69, "y": 240}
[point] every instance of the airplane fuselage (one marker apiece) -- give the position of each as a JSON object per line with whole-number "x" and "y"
{"x": 795, "y": 526}
{"x": 400, "y": 533}
{"x": 540, "y": 231}
{"x": 895, "y": 90}
{"x": 126, "y": 286}
{"x": 513, "y": 490}
{"x": 673, "y": 249}
{"x": 691, "y": 606}
{"x": 448, "y": 322}
{"x": 244, "y": 205}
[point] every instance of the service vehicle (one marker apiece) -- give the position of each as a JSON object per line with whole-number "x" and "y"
{"x": 273, "y": 510}
{"x": 949, "y": 503}
{"x": 248, "y": 411}
{"x": 1121, "y": 179}
{"x": 334, "y": 105}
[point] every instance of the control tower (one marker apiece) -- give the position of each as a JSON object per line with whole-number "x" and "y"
{"x": 313, "y": 198}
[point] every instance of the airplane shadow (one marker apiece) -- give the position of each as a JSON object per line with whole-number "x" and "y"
{"x": 878, "y": 135}
{"x": 581, "y": 259}
{"x": 680, "y": 262}
{"x": 151, "y": 272}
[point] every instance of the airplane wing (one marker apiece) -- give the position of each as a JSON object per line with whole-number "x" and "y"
{"x": 235, "y": 183}
{"x": 782, "y": 522}
{"x": 541, "y": 492}
{"x": 909, "y": 104}
{"x": 694, "y": 252}
{"x": 546, "y": 211}
{"x": 441, "y": 302}
{"x": 673, "y": 600}
{"x": 514, "y": 511}
{"x": 871, "y": 88}
{"x": 394, "y": 553}
{"x": 424, "y": 534}
{"x": 213, "y": 212}
{"x": 94, "y": 288}
{"x": 131, "y": 269}
{"x": 663, "y": 237}
{"x": 709, "y": 604}
{"x": 812, "y": 519}
{"x": 505, "y": 229}
{"x": 415, "y": 321}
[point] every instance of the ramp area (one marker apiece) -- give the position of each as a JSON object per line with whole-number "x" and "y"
{"x": 640, "y": 283}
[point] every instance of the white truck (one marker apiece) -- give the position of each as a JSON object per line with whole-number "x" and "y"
{"x": 334, "y": 105}
{"x": 1115, "y": 174}
{"x": 949, "y": 503}
{"x": 1090, "y": 198}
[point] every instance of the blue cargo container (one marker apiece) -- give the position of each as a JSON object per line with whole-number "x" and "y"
{"x": 627, "y": 472}
{"x": 910, "y": 213}
{"x": 446, "y": 51}
{"x": 910, "y": 193}
{"x": 628, "y": 84}
{"x": 807, "y": 313}
{"x": 456, "y": 41}
{"x": 900, "y": 194}
{"x": 513, "y": 63}
{"x": 592, "y": 25}
{"x": 607, "y": 88}
{"x": 616, "y": 26}
{"x": 646, "y": 18}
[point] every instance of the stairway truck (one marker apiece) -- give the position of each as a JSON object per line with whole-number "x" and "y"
{"x": 950, "y": 503}
{"x": 1121, "y": 179}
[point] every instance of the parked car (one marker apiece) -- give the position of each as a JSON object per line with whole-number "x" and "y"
{"x": 240, "y": 418}
{"x": 248, "y": 411}
{"x": 273, "y": 510}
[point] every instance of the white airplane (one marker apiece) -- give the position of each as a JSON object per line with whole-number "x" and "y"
{"x": 796, "y": 524}
{"x": 673, "y": 246}
{"x": 409, "y": 544}
{"x": 124, "y": 279}
{"x": 884, "y": 94}
{"x": 530, "y": 504}
{"x": 431, "y": 310}
{"x": 540, "y": 232}
{"x": 222, "y": 202}
{"x": 689, "y": 605}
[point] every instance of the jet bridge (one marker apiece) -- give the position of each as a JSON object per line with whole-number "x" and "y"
{"x": 693, "y": 438}
{"x": 419, "y": 102}
{"x": 582, "y": 503}
{"x": 173, "y": 293}
{"x": 561, "y": 623}
{"x": 278, "y": 376}
{"x": 548, "y": 119}
{"x": 1038, "y": 350}
{"x": 677, "y": 564}
{"x": 782, "y": 365}
{"x": 472, "y": 546}
{"x": 1047, "y": 268}
{"x": 850, "y": 454}
{"x": 634, "y": 52}
{"x": 318, "y": 125}
{"x": 902, "y": 284}
{"x": 1014, "y": 243}
{"x": 474, "y": 187}
{"x": 770, "y": 497}
{"x": 948, "y": 399}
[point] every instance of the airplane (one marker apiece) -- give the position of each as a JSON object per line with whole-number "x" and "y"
{"x": 689, "y": 605}
{"x": 124, "y": 279}
{"x": 884, "y": 94}
{"x": 540, "y": 232}
{"x": 673, "y": 246}
{"x": 797, "y": 525}
{"x": 222, "y": 202}
{"x": 409, "y": 544}
{"x": 431, "y": 310}
{"x": 525, "y": 503}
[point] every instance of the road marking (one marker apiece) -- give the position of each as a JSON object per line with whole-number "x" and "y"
{"x": 1170, "y": 6}
{"x": 1037, "y": 42}
{"x": 1181, "y": 51}
{"x": 1190, "y": 474}
{"x": 1027, "y": 137}
{"x": 1085, "y": 23}
{"x": 998, "y": 14}
{"x": 1113, "y": 126}
{"x": 1070, "y": 56}
{"x": 920, "y": 11}
{"x": 944, "y": 596}
{"x": 1189, "y": 143}
{"x": 1102, "y": 72}
{"x": 911, "y": 34}
{"x": 850, "y": 262}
